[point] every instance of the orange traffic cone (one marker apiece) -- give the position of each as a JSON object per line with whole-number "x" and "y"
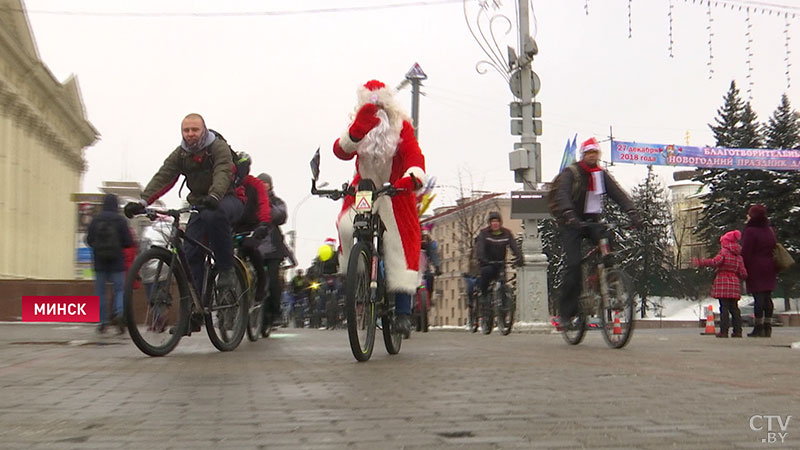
{"x": 710, "y": 328}
{"x": 617, "y": 325}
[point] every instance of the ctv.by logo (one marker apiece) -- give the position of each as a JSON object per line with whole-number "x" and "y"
{"x": 772, "y": 423}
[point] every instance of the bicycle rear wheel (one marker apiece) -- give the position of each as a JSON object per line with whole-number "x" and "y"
{"x": 391, "y": 338}
{"x": 617, "y": 309}
{"x": 156, "y": 316}
{"x": 573, "y": 333}
{"x": 254, "y": 319}
{"x": 228, "y": 316}
{"x": 472, "y": 326}
{"x": 505, "y": 310}
{"x": 424, "y": 301}
{"x": 359, "y": 307}
{"x": 486, "y": 315}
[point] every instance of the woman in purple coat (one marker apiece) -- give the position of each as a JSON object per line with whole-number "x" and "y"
{"x": 758, "y": 240}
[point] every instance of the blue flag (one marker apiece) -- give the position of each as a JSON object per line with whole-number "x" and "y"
{"x": 569, "y": 153}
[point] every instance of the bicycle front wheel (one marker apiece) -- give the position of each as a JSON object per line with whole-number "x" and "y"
{"x": 227, "y": 317}
{"x": 359, "y": 307}
{"x": 505, "y": 310}
{"x": 486, "y": 315}
{"x": 617, "y": 308}
{"x": 254, "y": 319}
{"x": 157, "y": 315}
{"x": 391, "y": 337}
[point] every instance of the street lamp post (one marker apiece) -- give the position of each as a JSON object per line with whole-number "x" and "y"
{"x": 525, "y": 159}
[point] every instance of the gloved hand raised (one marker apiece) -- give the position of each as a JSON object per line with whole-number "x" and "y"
{"x": 409, "y": 184}
{"x": 364, "y": 122}
{"x": 134, "y": 208}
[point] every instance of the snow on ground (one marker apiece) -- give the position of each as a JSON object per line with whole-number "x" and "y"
{"x": 670, "y": 308}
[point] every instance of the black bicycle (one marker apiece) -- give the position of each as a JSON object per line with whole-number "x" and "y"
{"x": 365, "y": 286}
{"x": 499, "y": 305}
{"x": 254, "y": 305}
{"x": 607, "y": 295}
{"x": 158, "y": 319}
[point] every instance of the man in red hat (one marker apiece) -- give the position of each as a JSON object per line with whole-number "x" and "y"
{"x": 382, "y": 140}
{"x": 579, "y": 197}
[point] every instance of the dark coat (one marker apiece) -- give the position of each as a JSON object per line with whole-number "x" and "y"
{"x": 565, "y": 200}
{"x": 273, "y": 246}
{"x": 111, "y": 213}
{"x": 758, "y": 240}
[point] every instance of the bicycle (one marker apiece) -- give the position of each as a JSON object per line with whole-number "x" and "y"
{"x": 473, "y": 294}
{"x": 365, "y": 287}
{"x": 422, "y": 304}
{"x": 172, "y": 300}
{"x": 499, "y": 304}
{"x": 254, "y": 307}
{"x": 607, "y": 295}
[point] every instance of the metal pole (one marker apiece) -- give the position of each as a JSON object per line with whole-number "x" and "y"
{"x": 415, "y": 83}
{"x": 532, "y": 297}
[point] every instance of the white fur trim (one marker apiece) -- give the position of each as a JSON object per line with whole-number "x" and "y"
{"x": 418, "y": 173}
{"x": 347, "y": 144}
{"x": 398, "y": 277}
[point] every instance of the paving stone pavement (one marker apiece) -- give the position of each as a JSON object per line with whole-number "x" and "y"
{"x": 64, "y": 387}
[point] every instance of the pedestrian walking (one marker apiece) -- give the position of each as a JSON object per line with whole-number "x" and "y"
{"x": 727, "y": 286}
{"x": 758, "y": 240}
{"x": 108, "y": 235}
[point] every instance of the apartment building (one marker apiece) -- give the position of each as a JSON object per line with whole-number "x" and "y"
{"x": 455, "y": 228}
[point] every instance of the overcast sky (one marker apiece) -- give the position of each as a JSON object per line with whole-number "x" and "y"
{"x": 280, "y": 85}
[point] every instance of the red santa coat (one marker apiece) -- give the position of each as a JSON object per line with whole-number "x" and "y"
{"x": 399, "y": 214}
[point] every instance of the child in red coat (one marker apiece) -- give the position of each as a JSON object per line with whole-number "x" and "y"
{"x": 727, "y": 285}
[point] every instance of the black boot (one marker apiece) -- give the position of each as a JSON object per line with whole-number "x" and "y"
{"x": 767, "y": 328}
{"x": 758, "y": 328}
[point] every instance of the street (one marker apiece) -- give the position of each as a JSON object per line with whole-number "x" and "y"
{"x": 65, "y": 387}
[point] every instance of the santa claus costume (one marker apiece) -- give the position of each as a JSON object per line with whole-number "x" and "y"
{"x": 382, "y": 140}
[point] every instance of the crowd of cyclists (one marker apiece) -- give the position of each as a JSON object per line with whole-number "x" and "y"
{"x": 230, "y": 200}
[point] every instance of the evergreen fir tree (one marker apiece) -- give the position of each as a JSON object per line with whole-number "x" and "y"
{"x": 782, "y": 131}
{"x": 731, "y": 191}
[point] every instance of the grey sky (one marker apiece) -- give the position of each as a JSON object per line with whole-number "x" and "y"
{"x": 280, "y": 86}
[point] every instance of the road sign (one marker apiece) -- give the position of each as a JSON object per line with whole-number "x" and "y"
{"x": 515, "y": 83}
{"x": 416, "y": 73}
{"x": 516, "y": 127}
{"x": 515, "y": 109}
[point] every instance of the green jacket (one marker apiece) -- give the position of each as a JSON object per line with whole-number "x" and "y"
{"x": 207, "y": 173}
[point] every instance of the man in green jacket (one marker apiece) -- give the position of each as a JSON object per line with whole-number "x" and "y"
{"x": 205, "y": 160}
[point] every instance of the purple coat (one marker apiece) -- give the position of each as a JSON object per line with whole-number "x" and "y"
{"x": 758, "y": 240}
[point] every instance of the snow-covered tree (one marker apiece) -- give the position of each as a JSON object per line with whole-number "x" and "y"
{"x": 782, "y": 131}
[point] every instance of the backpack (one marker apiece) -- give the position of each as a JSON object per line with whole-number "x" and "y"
{"x": 241, "y": 162}
{"x": 107, "y": 244}
{"x": 552, "y": 202}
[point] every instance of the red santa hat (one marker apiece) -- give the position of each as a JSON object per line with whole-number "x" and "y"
{"x": 590, "y": 145}
{"x": 374, "y": 91}
{"x": 331, "y": 242}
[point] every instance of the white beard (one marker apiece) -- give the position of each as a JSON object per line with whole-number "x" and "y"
{"x": 376, "y": 151}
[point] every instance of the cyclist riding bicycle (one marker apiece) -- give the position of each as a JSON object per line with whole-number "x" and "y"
{"x": 579, "y": 199}
{"x": 206, "y": 163}
{"x": 433, "y": 268}
{"x": 299, "y": 288}
{"x": 491, "y": 246}
{"x": 382, "y": 139}
{"x": 256, "y": 218}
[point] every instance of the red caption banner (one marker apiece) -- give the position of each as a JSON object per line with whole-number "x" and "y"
{"x": 60, "y": 308}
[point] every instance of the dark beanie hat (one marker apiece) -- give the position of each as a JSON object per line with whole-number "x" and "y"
{"x": 264, "y": 177}
{"x": 757, "y": 212}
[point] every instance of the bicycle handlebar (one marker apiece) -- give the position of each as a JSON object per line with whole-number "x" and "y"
{"x": 348, "y": 189}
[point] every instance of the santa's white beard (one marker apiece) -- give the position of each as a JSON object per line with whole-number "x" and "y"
{"x": 376, "y": 150}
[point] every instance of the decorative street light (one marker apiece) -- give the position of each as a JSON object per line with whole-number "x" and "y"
{"x": 293, "y": 231}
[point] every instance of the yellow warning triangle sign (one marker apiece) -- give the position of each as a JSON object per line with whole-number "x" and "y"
{"x": 363, "y": 204}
